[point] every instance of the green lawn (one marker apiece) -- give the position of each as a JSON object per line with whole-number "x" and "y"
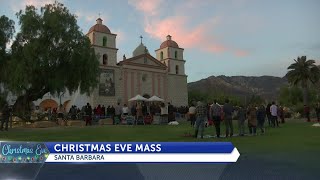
{"x": 292, "y": 137}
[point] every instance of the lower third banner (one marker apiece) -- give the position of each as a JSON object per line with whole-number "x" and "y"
{"x": 119, "y": 152}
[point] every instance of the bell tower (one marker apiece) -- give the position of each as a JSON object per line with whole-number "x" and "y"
{"x": 171, "y": 55}
{"x": 104, "y": 43}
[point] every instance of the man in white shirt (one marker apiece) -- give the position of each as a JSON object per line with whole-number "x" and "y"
{"x": 192, "y": 114}
{"x": 274, "y": 113}
{"x": 125, "y": 110}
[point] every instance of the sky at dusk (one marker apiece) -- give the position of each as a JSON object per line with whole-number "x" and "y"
{"x": 220, "y": 37}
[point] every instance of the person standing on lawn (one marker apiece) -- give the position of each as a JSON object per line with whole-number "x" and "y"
{"x": 274, "y": 114}
{"x": 215, "y": 113}
{"x": 281, "y": 114}
{"x": 269, "y": 116}
{"x": 261, "y": 116}
{"x": 228, "y": 111}
{"x": 88, "y": 110}
{"x": 117, "y": 111}
{"x": 252, "y": 120}
{"x": 201, "y": 114}
{"x": 192, "y": 114}
{"x": 242, "y": 114}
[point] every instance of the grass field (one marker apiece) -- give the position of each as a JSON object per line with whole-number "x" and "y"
{"x": 294, "y": 136}
{"x": 289, "y": 152}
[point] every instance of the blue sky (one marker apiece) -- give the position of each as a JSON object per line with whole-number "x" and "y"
{"x": 220, "y": 37}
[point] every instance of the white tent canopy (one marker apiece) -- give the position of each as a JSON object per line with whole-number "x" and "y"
{"x": 155, "y": 99}
{"x": 138, "y": 98}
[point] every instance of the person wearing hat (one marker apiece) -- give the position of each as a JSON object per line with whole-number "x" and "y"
{"x": 5, "y": 117}
{"x": 201, "y": 114}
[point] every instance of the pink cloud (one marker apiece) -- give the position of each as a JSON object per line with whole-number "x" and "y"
{"x": 149, "y": 7}
{"x": 241, "y": 53}
{"x": 200, "y": 36}
{"x": 175, "y": 26}
{"x": 216, "y": 48}
{"x": 195, "y": 37}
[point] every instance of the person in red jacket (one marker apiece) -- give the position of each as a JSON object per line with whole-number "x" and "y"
{"x": 99, "y": 111}
{"x": 148, "y": 119}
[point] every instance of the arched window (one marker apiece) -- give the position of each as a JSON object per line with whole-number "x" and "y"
{"x": 161, "y": 55}
{"x": 177, "y": 69}
{"x": 105, "y": 59}
{"x": 176, "y": 54}
{"x": 104, "y": 41}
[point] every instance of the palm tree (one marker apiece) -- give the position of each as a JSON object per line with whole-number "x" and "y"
{"x": 302, "y": 72}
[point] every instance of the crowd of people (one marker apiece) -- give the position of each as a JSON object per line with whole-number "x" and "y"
{"x": 197, "y": 113}
{"x": 215, "y": 113}
{"x": 139, "y": 110}
{"x": 256, "y": 116}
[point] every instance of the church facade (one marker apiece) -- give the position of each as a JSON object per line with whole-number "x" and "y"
{"x": 163, "y": 75}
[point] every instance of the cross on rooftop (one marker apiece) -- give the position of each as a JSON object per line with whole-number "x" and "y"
{"x": 141, "y": 38}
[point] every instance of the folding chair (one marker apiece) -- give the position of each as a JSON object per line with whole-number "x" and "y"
{"x": 123, "y": 119}
{"x": 116, "y": 120}
{"x": 140, "y": 121}
{"x": 129, "y": 120}
{"x": 156, "y": 119}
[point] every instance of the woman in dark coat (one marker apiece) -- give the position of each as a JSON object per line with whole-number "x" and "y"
{"x": 261, "y": 115}
{"x": 252, "y": 120}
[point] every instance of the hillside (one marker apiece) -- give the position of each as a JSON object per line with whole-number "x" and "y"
{"x": 265, "y": 86}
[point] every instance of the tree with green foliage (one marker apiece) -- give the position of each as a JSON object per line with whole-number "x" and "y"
{"x": 292, "y": 96}
{"x": 256, "y": 100}
{"x": 194, "y": 96}
{"x": 6, "y": 33}
{"x": 302, "y": 72}
{"x": 49, "y": 55}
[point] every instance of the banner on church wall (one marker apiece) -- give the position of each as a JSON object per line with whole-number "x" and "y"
{"x": 107, "y": 83}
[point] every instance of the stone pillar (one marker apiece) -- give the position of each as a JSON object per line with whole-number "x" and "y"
{"x": 153, "y": 84}
{"x": 125, "y": 87}
{"x": 139, "y": 82}
{"x": 165, "y": 85}
{"x": 132, "y": 85}
{"x": 159, "y": 86}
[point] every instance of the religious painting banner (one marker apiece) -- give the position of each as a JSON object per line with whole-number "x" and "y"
{"x": 107, "y": 83}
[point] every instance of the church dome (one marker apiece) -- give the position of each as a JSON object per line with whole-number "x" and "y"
{"x": 169, "y": 43}
{"x": 141, "y": 49}
{"x": 99, "y": 27}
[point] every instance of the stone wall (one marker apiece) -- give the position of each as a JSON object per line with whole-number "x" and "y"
{"x": 177, "y": 90}
{"x": 143, "y": 82}
{"x": 111, "y": 53}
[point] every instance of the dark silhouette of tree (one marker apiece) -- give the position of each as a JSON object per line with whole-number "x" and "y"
{"x": 49, "y": 54}
{"x": 302, "y": 72}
